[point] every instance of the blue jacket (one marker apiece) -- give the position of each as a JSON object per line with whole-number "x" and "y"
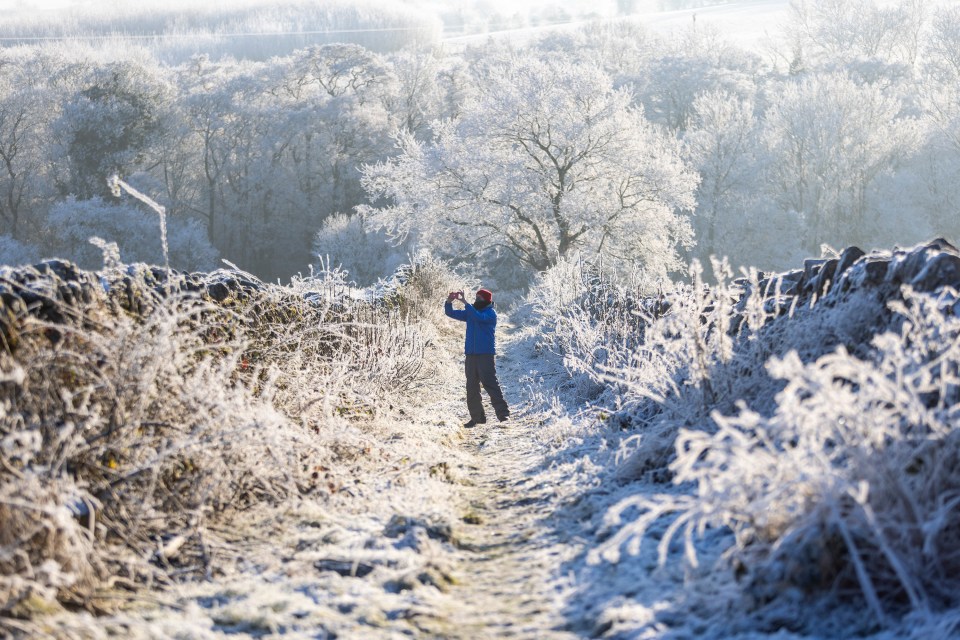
{"x": 481, "y": 325}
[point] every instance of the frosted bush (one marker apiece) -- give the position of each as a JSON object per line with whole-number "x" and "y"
{"x": 850, "y": 485}
{"x": 416, "y": 289}
{"x": 14, "y": 252}
{"x": 670, "y": 360}
{"x": 149, "y": 418}
{"x": 660, "y": 359}
{"x": 130, "y": 425}
{"x": 73, "y": 222}
{"x": 366, "y": 255}
{"x": 334, "y": 349}
{"x": 45, "y": 549}
{"x": 591, "y": 316}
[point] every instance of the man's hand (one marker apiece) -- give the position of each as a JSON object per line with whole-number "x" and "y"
{"x": 460, "y": 296}
{"x": 452, "y": 296}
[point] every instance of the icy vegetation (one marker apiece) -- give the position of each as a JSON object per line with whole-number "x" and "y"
{"x": 755, "y": 446}
{"x": 202, "y": 455}
{"x": 789, "y": 440}
{"x": 613, "y": 135}
{"x": 147, "y": 415}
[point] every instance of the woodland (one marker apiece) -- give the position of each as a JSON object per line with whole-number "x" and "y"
{"x": 841, "y": 131}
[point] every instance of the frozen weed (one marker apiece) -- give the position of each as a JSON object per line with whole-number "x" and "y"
{"x": 806, "y": 420}
{"x": 661, "y": 360}
{"x": 131, "y": 422}
{"x": 849, "y": 486}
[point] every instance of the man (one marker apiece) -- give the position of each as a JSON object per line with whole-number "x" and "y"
{"x": 480, "y": 350}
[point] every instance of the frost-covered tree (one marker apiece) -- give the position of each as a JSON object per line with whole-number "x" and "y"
{"x": 338, "y": 106}
{"x": 343, "y": 242}
{"x": 240, "y": 129}
{"x": 205, "y": 108}
{"x": 722, "y": 144}
{"x": 275, "y": 147}
{"x": 21, "y": 153}
{"x": 418, "y": 99}
{"x": 827, "y": 32}
{"x": 13, "y": 252}
{"x": 936, "y": 188}
{"x": 339, "y": 70}
{"x": 110, "y": 126}
{"x": 735, "y": 218}
{"x": 697, "y": 60}
{"x": 625, "y": 49}
{"x": 547, "y": 160}
{"x": 829, "y": 139}
{"x": 940, "y": 88}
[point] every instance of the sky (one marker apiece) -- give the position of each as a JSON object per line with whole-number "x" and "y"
{"x": 35, "y": 4}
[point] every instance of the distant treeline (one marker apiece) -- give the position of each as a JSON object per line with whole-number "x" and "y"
{"x": 254, "y": 30}
{"x": 845, "y": 134}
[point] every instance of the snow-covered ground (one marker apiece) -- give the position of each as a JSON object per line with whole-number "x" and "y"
{"x": 745, "y": 23}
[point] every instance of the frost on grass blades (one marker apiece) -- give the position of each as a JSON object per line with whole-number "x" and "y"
{"x": 852, "y": 482}
{"x": 807, "y": 421}
{"x": 139, "y": 407}
{"x": 117, "y": 186}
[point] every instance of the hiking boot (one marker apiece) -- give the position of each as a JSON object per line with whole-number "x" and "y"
{"x": 474, "y": 423}
{"x": 504, "y": 417}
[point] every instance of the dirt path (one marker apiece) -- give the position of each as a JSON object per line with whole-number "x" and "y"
{"x": 506, "y": 583}
{"x": 506, "y": 579}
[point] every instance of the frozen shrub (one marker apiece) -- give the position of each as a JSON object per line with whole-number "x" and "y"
{"x": 850, "y": 486}
{"x": 153, "y": 408}
{"x": 47, "y": 553}
{"x": 670, "y": 360}
{"x": 137, "y": 232}
{"x": 14, "y": 252}
{"x": 142, "y": 427}
{"x": 366, "y": 255}
{"x": 419, "y": 288}
{"x": 660, "y": 358}
{"x": 333, "y": 347}
{"x": 591, "y": 317}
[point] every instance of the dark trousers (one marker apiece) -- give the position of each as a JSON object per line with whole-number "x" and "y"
{"x": 481, "y": 370}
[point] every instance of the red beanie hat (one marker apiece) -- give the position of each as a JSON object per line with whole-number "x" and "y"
{"x": 485, "y": 294}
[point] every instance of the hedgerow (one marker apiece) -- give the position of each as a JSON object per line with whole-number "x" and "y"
{"x": 807, "y": 418}
{"x": 138, "y": 405}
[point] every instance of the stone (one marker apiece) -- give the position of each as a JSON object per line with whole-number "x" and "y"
{"x": 824, "y": 279}
{"x": 941, "y": 244}
{"x": 849, "y": 256}
{"x": 345, "y": 568}
{"x": 399, "y": 525}
{"x": 915, "y": 260}
{"x": 811, "y": 268}
{"x": 874, "y": 270}
{"x": 218, "y": 291}
{"x": 940, "y": 270}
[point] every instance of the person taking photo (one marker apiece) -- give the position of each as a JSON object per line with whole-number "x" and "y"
{"x": 480, "y": 351}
